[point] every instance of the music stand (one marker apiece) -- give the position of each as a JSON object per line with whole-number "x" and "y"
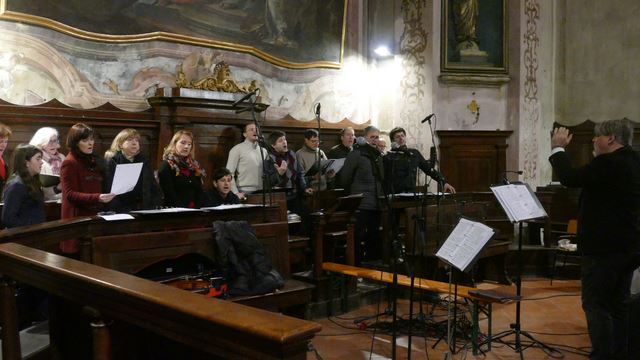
{"x": 461, "y": 250}
{"x": 520, "y": 204}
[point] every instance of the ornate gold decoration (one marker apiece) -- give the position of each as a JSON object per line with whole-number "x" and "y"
{"x": 219, "y": 80}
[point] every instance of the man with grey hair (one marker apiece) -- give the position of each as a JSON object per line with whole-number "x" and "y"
{"x": 608, "y": 230}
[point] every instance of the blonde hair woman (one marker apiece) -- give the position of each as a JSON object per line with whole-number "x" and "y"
{"x": 48, "y": 140}
{"x": 180, "y": 174}
{"x": 125, "y": 149}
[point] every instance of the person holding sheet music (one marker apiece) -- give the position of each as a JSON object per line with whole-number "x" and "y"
{"x": 307, "y": 155}
{"x": 81, "y": 176}
{"x": 180, "y": 174}
{"x": 125, "y": 149}
{"x": 608, "y": 230}
{"x": 47, "y": 139}
{"x": 221, "y": 193}
{"x": 405, "y": 162}
{"x": 23, "y": 196}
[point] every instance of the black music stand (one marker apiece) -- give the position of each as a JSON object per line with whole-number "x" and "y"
{"x": 520, "y": 204}
{"x": 460, "y": 251}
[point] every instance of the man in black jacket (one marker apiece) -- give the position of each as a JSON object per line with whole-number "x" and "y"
{"x": 362, "y": 173}
{"x": 608, "y": 230}
{"x": 402, "y": 165}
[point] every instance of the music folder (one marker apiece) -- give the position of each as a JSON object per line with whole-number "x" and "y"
{"x": 49, "y": 180}
{"x": 519, "y": 202}
{"x": 464, "y": 244}
{"x": 325, "y": 167}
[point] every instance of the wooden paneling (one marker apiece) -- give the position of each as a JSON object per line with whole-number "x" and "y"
{"x": 216, "y": 127}
{"x": 473, "y": 160}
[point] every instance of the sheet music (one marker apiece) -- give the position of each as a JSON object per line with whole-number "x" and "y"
{"x": 464, "y": 243}
{"x": 114, "y": 217}
{"x": 230, "y": 206}
{"x": 125, "y": 178}
{"x": 335, "y": 165}
{"x": 518, "y": 202}
{"x": 163, "y": 211}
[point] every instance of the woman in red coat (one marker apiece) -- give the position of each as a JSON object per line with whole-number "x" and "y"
{"x": 81, "y": 179}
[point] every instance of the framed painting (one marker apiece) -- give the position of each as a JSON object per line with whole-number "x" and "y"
{"x": 474, "y": 37}
{"x": 288, "y": 33}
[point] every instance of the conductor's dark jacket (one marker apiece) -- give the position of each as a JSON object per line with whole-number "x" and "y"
{"x": 609, "y": 206}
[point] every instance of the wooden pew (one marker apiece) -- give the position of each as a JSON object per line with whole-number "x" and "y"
{"x": 217, "y": 327}
{"x": 440, "y": 220}
{"x": 134, "y": 252}
{"x": 476, "y": 296}
{"x": 47, "y": 236}
{"x": 130, "y": 245}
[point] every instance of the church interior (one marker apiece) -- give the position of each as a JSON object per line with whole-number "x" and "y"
{"x": 477, "y": 88}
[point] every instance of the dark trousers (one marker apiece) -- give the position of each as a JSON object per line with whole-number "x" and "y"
{"x": 606, "y": 283}
{"x": 368, "y": 244}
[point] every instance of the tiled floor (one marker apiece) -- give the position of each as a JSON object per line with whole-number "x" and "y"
{"x": 551, "y": 313}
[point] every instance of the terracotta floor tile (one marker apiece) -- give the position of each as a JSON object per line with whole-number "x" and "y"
{"x": 553, "y": 310}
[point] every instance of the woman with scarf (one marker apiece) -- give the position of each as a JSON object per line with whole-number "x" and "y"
{"x": 125, "y": 149}
{"x": 47, "y": 140}
{"x": 180, "y": 174}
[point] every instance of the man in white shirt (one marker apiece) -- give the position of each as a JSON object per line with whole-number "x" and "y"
{"x": 245, "y": 163}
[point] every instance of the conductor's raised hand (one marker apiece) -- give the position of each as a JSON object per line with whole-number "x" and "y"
{"x": 560, "y": 137}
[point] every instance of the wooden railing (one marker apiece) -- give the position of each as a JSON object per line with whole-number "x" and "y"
{"x": 213, "y": 326}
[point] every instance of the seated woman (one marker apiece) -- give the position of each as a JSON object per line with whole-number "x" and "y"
{"x": 23, "y": 196}
{"x": 5, "y": 132}
{"x": 221, "y": 192}
{"x": 125, "y": 149}
{"x": 180, "y": 174}
{"x": 47, "y": 140}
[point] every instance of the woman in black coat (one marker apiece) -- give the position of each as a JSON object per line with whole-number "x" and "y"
{"x": 180, "y": 174}
{"x": 125, "y": 149}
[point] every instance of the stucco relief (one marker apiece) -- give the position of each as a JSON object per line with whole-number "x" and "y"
{"x": 413, "y": 85}
{"x": 88, "y": 74}
{"x": 530, "y": 124}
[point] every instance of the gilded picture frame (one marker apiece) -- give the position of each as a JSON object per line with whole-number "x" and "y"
{"x": 483, "y": 22}
{"x": 310, "y": 34}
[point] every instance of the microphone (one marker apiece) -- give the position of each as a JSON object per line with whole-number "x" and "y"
{"x": 427, "y": 119}
{"x": 504, "y": 175}
{"x": 317, "y": 110}
{"x": 245, "y": 97}
{"x": 400, "y": 148}
{"x": 360, "y": 141}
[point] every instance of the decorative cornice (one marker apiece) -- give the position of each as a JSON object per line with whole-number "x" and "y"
{"x": 487, "y": 80}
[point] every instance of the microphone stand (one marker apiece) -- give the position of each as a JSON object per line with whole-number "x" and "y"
{"x": 318, "y": 161}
